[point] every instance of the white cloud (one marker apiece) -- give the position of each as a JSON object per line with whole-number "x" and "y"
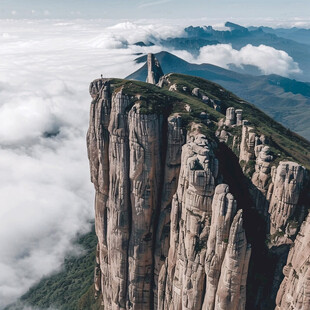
{"x": 133, "y": 32}
{"x": 45, "y": 189}
{"x": 268, "y": 59}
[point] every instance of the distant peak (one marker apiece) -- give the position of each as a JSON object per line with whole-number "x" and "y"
{"x": 234, "y": 26}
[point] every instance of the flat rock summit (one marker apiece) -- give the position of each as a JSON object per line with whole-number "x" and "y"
{"x": 201, "y": 199}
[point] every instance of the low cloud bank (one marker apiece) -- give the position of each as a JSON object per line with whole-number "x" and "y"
{"x": 45, "y": 189}
{"x": 268, "y": 59}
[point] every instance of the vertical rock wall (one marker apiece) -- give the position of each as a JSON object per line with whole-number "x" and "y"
{"x": 175, "y": 141}
{"x": 205, "y": 247}
{"x": 125, "y": 158}
{"x": 294, "y": 292}
{"x": 285, "y": 189}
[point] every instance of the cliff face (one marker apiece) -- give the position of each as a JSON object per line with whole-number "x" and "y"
{"x": 164, "y": 229}
{"x": 171, "y": 233}
{"x": 294, "y": 292}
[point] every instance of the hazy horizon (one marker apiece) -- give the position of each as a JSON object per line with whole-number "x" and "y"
{"x": 274, "y": 12}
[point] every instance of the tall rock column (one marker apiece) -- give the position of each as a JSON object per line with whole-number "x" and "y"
{"x": 190, "y": 221}
{"x": 175, "y": 141}
{"x": 230, "y": 116}
{"x": 223, "y": 211}
{"x": 231, "y": 292}
{"x": 261, "y": 178}
{"x": 98, "y": 153}
{"x": 145, "y": 177}
{"x": 247, "y": 145}
{"x": 287, "y": 182}
{"x": 125, "y": 151}
{"x": 114, "y": 275}
{"x": 154, "y": 71}
{"x": 204, "y": 242}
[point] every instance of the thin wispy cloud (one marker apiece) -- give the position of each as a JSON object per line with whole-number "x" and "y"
{"x": 153, "y": 3}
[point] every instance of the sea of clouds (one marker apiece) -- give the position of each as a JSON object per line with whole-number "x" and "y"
{"x": 45, "y": 69}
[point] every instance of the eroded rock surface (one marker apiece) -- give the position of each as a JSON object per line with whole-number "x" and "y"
{"x": 204, "y": 243}
{"x": 287, "y": 182}
{"x": 294, "y": 292}
{"x": 247, "y": 145}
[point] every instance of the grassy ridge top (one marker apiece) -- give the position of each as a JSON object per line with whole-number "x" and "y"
{"x": 287, "y": 145}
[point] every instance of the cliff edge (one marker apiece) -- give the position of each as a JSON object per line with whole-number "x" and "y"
{"x": 189, "y": 181}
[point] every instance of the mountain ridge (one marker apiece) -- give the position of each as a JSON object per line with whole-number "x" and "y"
{"x": 209, "y": 144}
{"x": 283, "y": 93}
{"x": 239, "y": 36}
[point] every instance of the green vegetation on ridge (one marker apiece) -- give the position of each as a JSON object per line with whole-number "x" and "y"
{"x": 65, "y": 290}
{"x": 284, "y": 143}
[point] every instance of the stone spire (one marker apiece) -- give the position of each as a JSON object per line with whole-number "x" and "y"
{"x": 154, "y": 71}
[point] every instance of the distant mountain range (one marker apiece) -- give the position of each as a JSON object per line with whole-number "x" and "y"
{"x": 295, "y": 42}
{"x": 296, "y": 34}
{"x": 286, "y": 100}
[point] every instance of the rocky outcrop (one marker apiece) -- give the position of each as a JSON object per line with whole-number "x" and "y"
{"x": 233, "y": 117}
{"x": 247, "y": 145}
{"x": 154, "y": 71}
{"x": 196, "y": 92}
{"x": 170, "y": 235}
{"x": 261, "y": 177}
{"x": 287, "y": 183}
{"x": 276, "y": 190}
{"x": 227, "y": 256}
{"x": 294, "y": 292}
{"x": 238, "y": 117}
{"x": 206, "y": 244}
{"x": 230, "y": 116}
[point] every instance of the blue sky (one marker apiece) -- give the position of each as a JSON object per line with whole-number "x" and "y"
{"x": 137, "y": 9}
